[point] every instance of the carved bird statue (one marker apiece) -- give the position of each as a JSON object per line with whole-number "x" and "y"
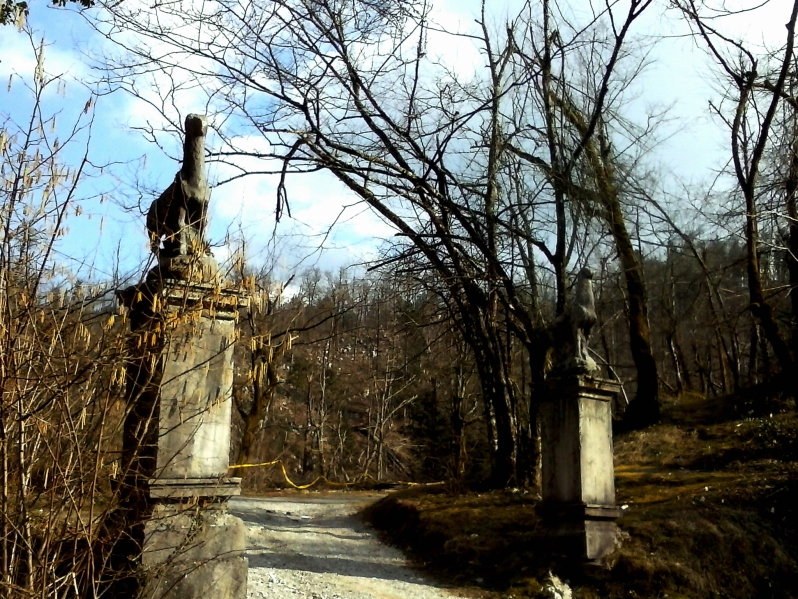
{"x": 179, "y": 214}
{"x": 571, "y": 330}
{"x": 583, "y": 310}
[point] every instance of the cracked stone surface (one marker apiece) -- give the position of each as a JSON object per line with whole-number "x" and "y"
{"x": 314, "y": 546}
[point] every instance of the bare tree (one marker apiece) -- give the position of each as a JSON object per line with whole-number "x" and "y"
{"x": 350, "y": 88}
{"x": 587, "y": 175}
{"x": 61, "y": 358}
{"x": 758, "y": 84}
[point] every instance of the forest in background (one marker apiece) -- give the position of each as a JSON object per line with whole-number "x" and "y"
{"x": 424, "y": 366}
{"x": 376, "y": 381}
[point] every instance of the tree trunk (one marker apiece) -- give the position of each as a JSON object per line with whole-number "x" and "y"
{"x": 753, "y": 351}
{"x": 713, "y": 387}
{"x": 307, "y": 448}
{"x": 263, "y": 387}
{"x": 759, "y": 305}
{"x": 702, "y": 371}
{"x": 497, "y": 391}
{"x": 683, "y": 363}
{"x": 644, "y": 410}
{"x": 792, "y": 246}
{"x": 677, "y": 367}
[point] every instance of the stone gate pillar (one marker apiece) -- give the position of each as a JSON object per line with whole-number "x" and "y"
{"x": 182, "y": 376}
{"x": 179, "y": 396}
{"x": 578, "y": 474}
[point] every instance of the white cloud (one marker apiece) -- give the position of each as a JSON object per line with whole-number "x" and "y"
{"x": 19, "y": 49}
{"x": 328, "y": 226}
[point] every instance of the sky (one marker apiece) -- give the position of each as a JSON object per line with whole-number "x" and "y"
{"x": 328, "y": 228}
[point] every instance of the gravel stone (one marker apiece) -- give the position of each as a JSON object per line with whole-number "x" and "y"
{"x": 316, "y": 547}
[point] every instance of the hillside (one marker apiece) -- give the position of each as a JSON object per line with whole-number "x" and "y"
{"x": 711, "y": 510}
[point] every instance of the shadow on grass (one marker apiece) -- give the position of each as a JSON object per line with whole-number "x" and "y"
{"x": 711, "y": 512}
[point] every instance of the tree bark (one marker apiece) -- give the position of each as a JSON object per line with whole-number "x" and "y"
{"x": 497, "y": 391}
{"x": 792, "y": 242}
{"x": 644, "y": 410}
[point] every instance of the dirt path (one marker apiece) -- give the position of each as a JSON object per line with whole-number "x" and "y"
{"x": 315, "y": 547}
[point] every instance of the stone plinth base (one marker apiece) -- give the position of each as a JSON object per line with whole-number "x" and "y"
{"x": 193, "y": 552}
{"x": 586, "y": 532}
{"x": 175, "y": 488}
{"x": 578, "y": 490}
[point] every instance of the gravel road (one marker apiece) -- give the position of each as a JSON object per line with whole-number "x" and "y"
{"x": 316, "y": 547}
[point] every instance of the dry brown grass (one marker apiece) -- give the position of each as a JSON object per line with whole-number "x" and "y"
{"x": 711, "y": 511}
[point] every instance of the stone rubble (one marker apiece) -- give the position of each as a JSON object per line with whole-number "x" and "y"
{"x": 554, "y": 588}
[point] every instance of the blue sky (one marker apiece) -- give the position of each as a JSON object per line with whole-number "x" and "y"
{"x": 111, "y": 232}
{"x": 106, "y": 235}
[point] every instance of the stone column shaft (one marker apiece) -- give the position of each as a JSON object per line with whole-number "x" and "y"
{"x": 181, "y": 383}
{"x": 578, "y": 472}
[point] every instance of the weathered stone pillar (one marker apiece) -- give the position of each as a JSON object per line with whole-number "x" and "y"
{"x": 179, "y": 393}
{"x": 184, "y": 336}
{"x": 578, "y": 490}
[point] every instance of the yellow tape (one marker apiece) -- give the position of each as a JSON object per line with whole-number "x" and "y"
{"x": 357, "y": 481}
{"x": 254, "y": 465}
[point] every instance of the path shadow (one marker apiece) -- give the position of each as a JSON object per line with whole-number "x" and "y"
{"x": 334, "y": 565}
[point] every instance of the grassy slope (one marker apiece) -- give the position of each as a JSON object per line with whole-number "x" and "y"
{"x": 712, "y": 496}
